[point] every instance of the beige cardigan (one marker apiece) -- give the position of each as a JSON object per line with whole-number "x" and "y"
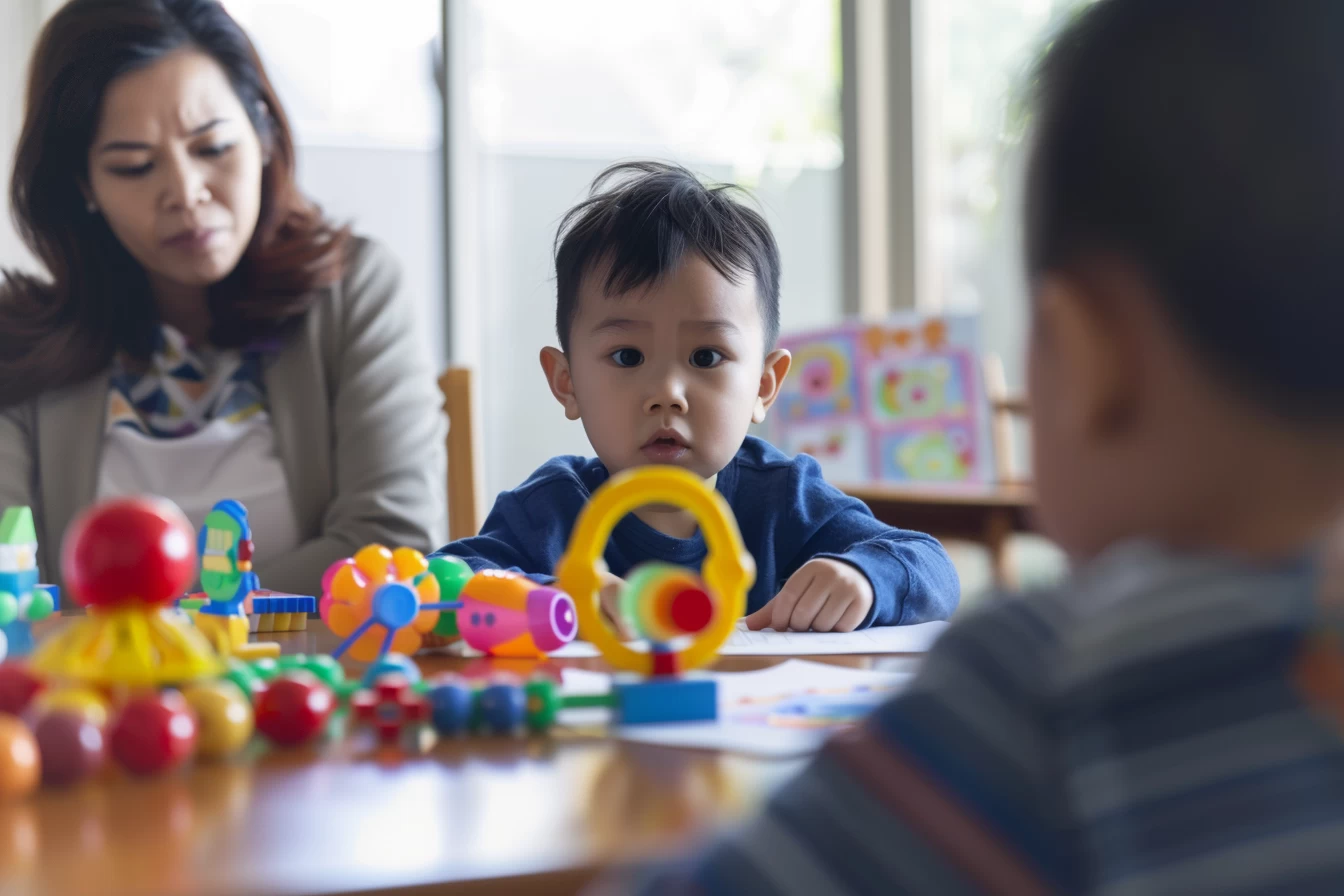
{"x": 358, "y": 426}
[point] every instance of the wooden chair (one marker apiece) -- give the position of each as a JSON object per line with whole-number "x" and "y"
{"x": 1004, "y": 408}
{"x": 464, "y": 485}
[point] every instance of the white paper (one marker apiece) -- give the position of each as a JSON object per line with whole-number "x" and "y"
{"x": 885, "y": 639}
{"x": 786, "y": 710}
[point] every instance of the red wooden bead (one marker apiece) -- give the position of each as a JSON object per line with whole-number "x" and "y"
{"x": 153, "y": 734}
{"x": 71, "y": 746}
{"x": 293, "y": 709}
{"x": 18, "y": 687}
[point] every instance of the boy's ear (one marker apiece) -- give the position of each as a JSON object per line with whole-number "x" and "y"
{"x": 556, "y": 367}
{"x": 1096, "y": 352}
{"x": 777, "y": 365}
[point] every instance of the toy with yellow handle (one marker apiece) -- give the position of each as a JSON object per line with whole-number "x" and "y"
{"x": 663, "y": 602}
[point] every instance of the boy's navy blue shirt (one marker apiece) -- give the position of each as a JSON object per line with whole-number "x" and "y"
{"x": 787, "y": 512}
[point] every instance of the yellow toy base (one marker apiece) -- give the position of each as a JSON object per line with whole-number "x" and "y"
{"x": 135, "y": 647}
{"x": 228, "y": 634}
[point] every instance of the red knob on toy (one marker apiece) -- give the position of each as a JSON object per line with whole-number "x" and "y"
{"x": 129, "y": 550}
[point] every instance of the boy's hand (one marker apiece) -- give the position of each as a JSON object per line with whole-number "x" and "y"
{"x": 824, "y": 595}
{"x": 610, "y": 600}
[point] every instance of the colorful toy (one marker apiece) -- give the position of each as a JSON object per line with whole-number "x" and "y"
{"x": 500, "y": 706}
{"x": 391, "y": 707}
{"x": 506, "y": 614}
{"x": 22, "y": 600}
{"x": 153, "y": 733}
{"x": 293, "y": 709}
{"x": 225, "y": 546}
{"x": 127, "y": 560}
{"x": 275, "y": 611}
{"x": 20, "y": 761}
{"x": 71, "y": 748}
{"x": 662, "y": 603}
{"x": 234, "y": 603}
{"x": 382, "y": 601}
{"x": 900, "y": 400}
{"x": 224, "y": 717}
{"x": 18, "y": 687}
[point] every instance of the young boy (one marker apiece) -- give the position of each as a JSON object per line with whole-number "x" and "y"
{"x": 1172, "y": 721}
{"x": 667, "y": 314}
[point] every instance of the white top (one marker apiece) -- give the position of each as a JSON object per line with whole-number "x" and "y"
{"x": 224, "y": 459}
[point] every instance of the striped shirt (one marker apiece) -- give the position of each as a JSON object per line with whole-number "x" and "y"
{"x": 1161, "y": 725}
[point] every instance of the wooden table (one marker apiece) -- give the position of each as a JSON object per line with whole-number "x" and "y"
{"x": 480, "y": 816}
{"x": 987, "y": 515}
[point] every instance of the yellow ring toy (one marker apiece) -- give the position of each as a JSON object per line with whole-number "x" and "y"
{"x": 728, "y": 570}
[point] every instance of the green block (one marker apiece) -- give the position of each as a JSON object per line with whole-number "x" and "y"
{"x": 16, "y": 526}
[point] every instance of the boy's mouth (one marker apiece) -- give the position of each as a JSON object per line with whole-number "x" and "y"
{"x": 664, "y": 446}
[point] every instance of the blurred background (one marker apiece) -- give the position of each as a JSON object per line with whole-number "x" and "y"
{"x": 883, "y": 141}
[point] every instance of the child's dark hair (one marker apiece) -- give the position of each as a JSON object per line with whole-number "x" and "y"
{"x": 640, "y": 220}
{"x": 1203, "y": 141}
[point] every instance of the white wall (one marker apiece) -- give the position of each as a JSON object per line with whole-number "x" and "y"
{"x": 520, "y": 201}
{"x": 18, "y": 28}
{"x": 392, "y": 195}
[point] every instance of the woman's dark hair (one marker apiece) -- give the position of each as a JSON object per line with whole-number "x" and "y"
{"x": 98, "y": 299}
{"x": 1203, "y": 142}
{"x": 640, "y": 220}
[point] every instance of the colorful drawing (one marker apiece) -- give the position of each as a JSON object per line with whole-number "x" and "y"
{"x": 897, "y": 401}
{"x": 823, "y": 380}
{"x": 841, "y": 448}
{"x": 811, "y": 709}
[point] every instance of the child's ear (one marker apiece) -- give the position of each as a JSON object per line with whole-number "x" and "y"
{"x": 556, "y": 367}
{"x": 772, "y": 377}
{"x": 1095, "y": 352}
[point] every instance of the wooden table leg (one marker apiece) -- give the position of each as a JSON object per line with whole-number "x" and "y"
{"x": 998, "y": 528}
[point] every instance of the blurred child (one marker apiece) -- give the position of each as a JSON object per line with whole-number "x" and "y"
{"x": 1172, "y": 719}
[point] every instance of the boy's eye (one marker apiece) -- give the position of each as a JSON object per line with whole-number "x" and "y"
{"x": 627, "y": 357}
{"x": 706, "y": 357}
{"x": 211, "y": 152}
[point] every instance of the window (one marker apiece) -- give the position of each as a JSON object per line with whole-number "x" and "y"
{"x": 358, "y": 76}
{"x": 974, "y": 61}
{"x": 752, "y": 84}
{"x": 550, "y": 93}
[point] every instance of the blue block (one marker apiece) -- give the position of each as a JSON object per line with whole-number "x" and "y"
{"x": 295, "y": 603}
{"x": 19, "y": 638}
{"x": 666, "y": 700}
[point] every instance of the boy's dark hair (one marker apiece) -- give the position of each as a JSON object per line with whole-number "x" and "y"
{"x": 1203, "y": 140}
{"x": 640, "y": 220}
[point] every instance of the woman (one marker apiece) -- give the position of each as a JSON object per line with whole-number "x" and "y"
{"x": 206, "y": 332}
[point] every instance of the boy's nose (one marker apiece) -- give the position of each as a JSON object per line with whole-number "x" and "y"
{"x": 669, "y": 397}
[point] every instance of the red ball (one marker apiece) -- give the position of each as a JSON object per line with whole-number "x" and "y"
{"x": 127, "y": 550}
{"x": 293, "y": 709}
{"x": 153, "y": 733}
{"x": 71, "y": 748}
{"x": 18, "y": 687}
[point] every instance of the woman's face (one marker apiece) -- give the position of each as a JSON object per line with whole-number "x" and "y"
{"x": 175, "y": 169}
